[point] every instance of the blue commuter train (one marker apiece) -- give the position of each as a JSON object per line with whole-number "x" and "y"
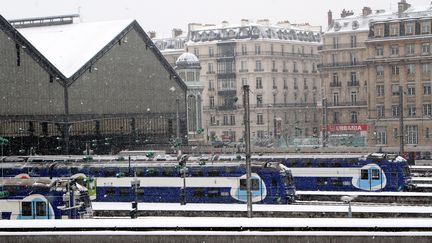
{"x": 110, "y": 180}
{"x": 349, "y": 172}
{"x": 40, "y": 198}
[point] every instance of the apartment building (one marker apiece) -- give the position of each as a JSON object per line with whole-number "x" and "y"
{"x": 344, "y": 76}
{"x": 278, "y": 62}
{"x": 399, "y": 68}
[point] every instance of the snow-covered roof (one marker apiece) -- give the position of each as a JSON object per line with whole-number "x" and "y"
{"x": 69, "y": 47}
{"x": 356, "y": 23}
{"x": 253, "y": 30}
{"x": 188, "y": 58}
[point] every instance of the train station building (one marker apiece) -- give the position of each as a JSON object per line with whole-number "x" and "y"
{"x": 68, "y": 85}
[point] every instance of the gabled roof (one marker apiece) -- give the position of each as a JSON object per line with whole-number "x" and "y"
{"x": 67, "y": 51}
{"x": 70, "y": 46}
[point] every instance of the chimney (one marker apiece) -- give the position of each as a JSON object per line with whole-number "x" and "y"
{"x": 284, "y": 24}
{"x": 152, "y": 34}
{"x": 329, "y": 18}
{"x": 367, "y": 11}
{"x": 244, "y": 22}
{"x": 224, "y": 24}
{"x": 264, "y": 22}
{"x": 176, "y": 32}
{"x": 402, "y": 6}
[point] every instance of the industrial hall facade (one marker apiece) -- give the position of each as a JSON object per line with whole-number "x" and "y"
{"x": 68, "y": 86}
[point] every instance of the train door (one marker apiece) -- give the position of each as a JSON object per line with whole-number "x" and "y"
{"x": 371, "y": 179}
{"x": 35, "y": 209}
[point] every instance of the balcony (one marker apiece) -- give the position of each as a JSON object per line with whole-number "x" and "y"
{"x": 357, "y": 103}
{"x": 353, "y": 83}
{"x": 295, "y": 71}
{"x": 295, "y": 87}
{"x": 259, "y": 70}
{"x": 211, "y": 72}
{"x": 227, "y": 92}
{"x": 305, "y": 87}
{"x": 342, "y": 65}
{"x": 335, "y": 84}
{"x": 305, "y": 71}
{"x": 285, "y": 70}
{"x": 274, "y": 70}
{"x": 243, "y": 70}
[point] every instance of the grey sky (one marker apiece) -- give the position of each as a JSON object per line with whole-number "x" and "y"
{"x": 162, "y": 16}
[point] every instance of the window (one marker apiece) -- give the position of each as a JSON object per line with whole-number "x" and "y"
{"x": 425, "y": 48}
{"x": 380, "y": 90}
{"x": 353, "y": 58}
{"x": 198, "y": 192}
{"x": 354, "y": 117}
{"x": 426, "y": 88}
{"x": 353, "y": 98}
{"x": 243, "y": 66}
{"x": 244, "y": 81}
{"x": 394, "y": 50}
{"x": 425, "y": 27}
{"x": 41, "y": 209}
{"x": 411, "y": 89}
{"x": 412, "y": 134}
{"x": 260, "y": 120}
{"x": 26, "y": 208}
{"x": 409, "y": 49}
{"x": 381, "y": 137}
{"x": 258, "y": 66}
{"x": 232, "y": 119}
{"x": 257, "y": 49}
{"x": 427, "y": 134}
{"x": 211, "y": 102}
{"x": 427, "y": 110}
{"x": 379, "y": 70}
{"x": 295, "y": 83}
{"x": 395, "y": 69}
{"x": 271, "y": 49}
{"x": 210, "y": 68}
{"x": 211, "y": 85}
{"x": 285, "y": 84}
{"x": 335, "y": 117}
{"x": 410, "y": 69}
{"x": 254, "y": 184}
{"x": 259, "y": 83}
{"x": 380, "y": 111}
{"x": 335, "y": 78}
{"x": 244, "y": 49}
{"x": 212, "y": 120}
{"x": 425, "y": 68}
{"x": 375, "y": 174}
{"x": 364, "y": 174}
{"x": 196, "y": 52}
{"x": 409, "y": 28}
{"x": 394, "y": 29}
{"x": 353, "y": 41}
{"x": 379, "y": 51}
{"x": 225, "y": 120}
{"x": 395, "y": 111}
{"x": 274, "y": 66}
{"x": 411, "y": 110}
{"x": 211, "y": 52}
{"x": 379, "y": 30}
{"x": 335, "y": 99}
{"x": 335, "y": 42}
{"x": 395, "y": 89}
{"x": 334, "y": 59}
{"x": 295, "y": 67}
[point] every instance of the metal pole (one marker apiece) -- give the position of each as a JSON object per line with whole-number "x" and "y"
{"x": 325, "y": 123}
{"x": 177, "y": 119}
{"x": 401, "y": 123}
{"x": 248, "y": 148}
{"x": 66, "y": 118}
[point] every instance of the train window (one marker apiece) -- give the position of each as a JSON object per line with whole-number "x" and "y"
{"x": 140, "y": 172}
{"x": 198, "y": 172}
{"x": 26, "y": 208}
{"x": 336, "y": 163}
{"x": 307, "y": 163}
{"x": 254, "y": 184}
{"x": 109, "y": 191}
{"x": 274, "y": 182}
{"x": 375, "y": 174}
{"x": 125, "y": 191}
{"x": 243, "y": 185}
{"x": 41, "y": 209}
{"x": 213, "y": 192}
{"x": 321, "y": 163}
{"x": 346, "y": 183}
{"x": 321, "y": 181}
{"x": 151, "y": 172}
{"x": 74, "y": 170}
{"x": 198, "y": 192}
{"x": 110, "y": 172}
{"x": 364, "y": 174}
{"x": 213, "y": 172}
{"x": 168, "y": 172}
{"x": 125, "y": 171}
{"x": 140, "y": 191}
{"x": 94, "y": 171}
{"x": 351, "y": 161}
{"x": 336, "y": 182}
